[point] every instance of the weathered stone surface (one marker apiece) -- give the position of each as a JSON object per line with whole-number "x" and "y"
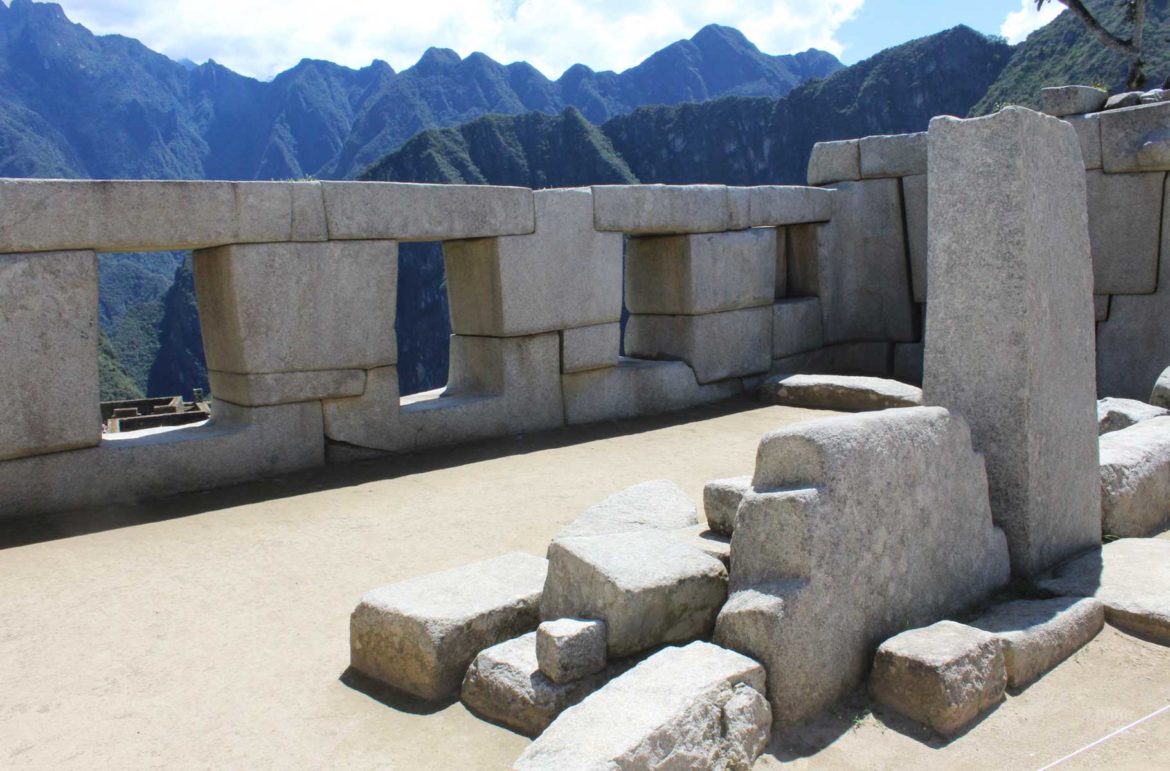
{"x": 1116, "y": 414}
{"x": 1100, "y": 307}
{"x": 914, "y": 197}
{"x": 1160, "y": 396}
{"x": 568, "y": 649}
{"x": 410, "y": 212}
{"x": 709, "y": 542}
{"x": 802, "y": 260}
{"x": 153, "y": 216}
{"x": 238, "y": 444}
{"x": 1130, "y": 577}
{"x": 893, "y": 155}
{"x": 834, "y": 162}
{"x": 504, "y": 684}
{"x": 496, "y": 387}
{"x": 871, "y": 359}
{"x": 593, "y": 347}
{"x": 661, "y": 209}
{"x": 796, "y": 326}
{"x": 1072, "y": 100}
{"x": 49, "y": 338}
{"x": 816, "y": 574}
{"x": 773, "y": 205}
{"x": 566, "y": 274}
{"x": 739, "y": 203}
{"x": 717, "y": 346}
{"x": 420, "y": 635}
{"x": 944, "y": 676}
{"x": 864, "y": 284}
{"x": 908, "y": 359}
{"x": 1088, "y": 128}
{"x": 1155, "y": 95}
{"x": 647, "y": 587}
{"x": 701, "y": 273}
{"x": 1135, "y": 479}
{"x": 1002, "y": 247}
{"x": 1036, "y": 635}
{"x": 298, "y": 307}
{"x": 1124, "y": 230}
{"x": 1136, "y": 139}
{"x": 1122, "y": 100}
{"x": 849, "y": 393}
{"x": 657, "y": 505}
{"x": 721, "y": 500}
{"x": 637, "y": 387}
{"x": 262, "y": 389}
{"x": 694, "y": 707}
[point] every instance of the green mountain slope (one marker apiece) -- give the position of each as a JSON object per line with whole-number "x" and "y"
{"x": 115, "y": 383}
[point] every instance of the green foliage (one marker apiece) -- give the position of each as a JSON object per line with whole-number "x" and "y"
{"x": 115, "y": 383}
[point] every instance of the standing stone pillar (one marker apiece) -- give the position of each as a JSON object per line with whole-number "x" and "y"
{"x": 1009, "y": 327}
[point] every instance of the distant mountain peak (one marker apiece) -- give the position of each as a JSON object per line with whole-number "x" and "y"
{"x": 434, "y": 58}
{"x": 718, "y": 35}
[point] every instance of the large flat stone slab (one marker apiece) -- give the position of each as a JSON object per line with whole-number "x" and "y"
{"x": 505, "y": 684}
{"x": 695, "y": 707}
{"x": 663, "y": 209}
{"x": 1116, "y": 414}
{"x": 49, "y": 366}
{"x": 154, "y": 216}
{"x": 850, "y": 393}
{"x": 893, "y": 155}
{"x": 415, "y": 212}
{"x": 1036, "y": 635}
{"x": 1060, "y": 101}
{"x": 566, "y": 274}
{"x": 1004, "y": 245}
{"x": 944, "y": 676}
{"x": 1130, "y": 577}
{"x": 646, "y": 586}
{"x": 717, "y": 346}
{"x": 420, "y": 635}
{"x": 776, "y": 205}
{"x": 1135, "y": 479}
{"x": 656, "y": 505}
{"x": 834, "y": 162}
{"x": 262, "y": 389}
{"x": 1136, "y": 138}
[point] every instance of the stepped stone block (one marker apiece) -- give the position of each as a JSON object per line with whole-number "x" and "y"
{"x": 850, "y": 393}
{"x": 153, "y": 216}
{"x": 1060, "y": 101}
{"x": 568, "y": 649}
{"x": 648, "y": 588}
{"x": 1130, "y": 577}
{"x": 1125, "y": 230}
{"x": 834, "y": 162}
{"x": 298, "y": 307}
{"x": 267, "y": 388}
{"x": 413, "y": 212}
{"x": 662, "y": 209}
{"x": 1160, "y": 396}
{"x": 49, "y": 368}
{"x": 717, "y": 345}
{"x": 1136, "y": 139}
{"x": 1135, "y": 479}
{"x": 1116, "y": 414}
{"x": 420, "y": 635}
{"x": 914, "y": 197}
{"x": 566, "y": 274}
{"x": 815, "y": 573}
{"x": 699, "y": 706}
{"x": 701, "y": 273}
{"x": 238, "y": 444}
{"x": 894, "y": 155}
{"x": 1036, "y": 635}
{"x": 944, "y": 676}
{"x": 504, "y": 684}
{"x": 1003, "y": 246}
{"x": 1088, "y": 128}
{"x": 637, "y": 387}
{"x": 796, "y": 326}
{"x": 774, "y": 205}
{"x": 593, "y": 347}
{"x": 721, "y": 500}
{"x": 657, "y": 505}
{"x": 864, "y": 284}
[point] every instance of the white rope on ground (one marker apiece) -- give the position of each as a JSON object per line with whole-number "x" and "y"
{"x": 1104, "y": 739}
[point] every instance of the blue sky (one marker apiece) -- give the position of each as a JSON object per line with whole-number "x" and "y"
{"x": 263, "y": 37}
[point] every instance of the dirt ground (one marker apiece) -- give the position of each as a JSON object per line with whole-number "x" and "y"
{"x": 211, "y": 630}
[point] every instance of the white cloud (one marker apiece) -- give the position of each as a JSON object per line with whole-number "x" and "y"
{"x": 263, "y": 37}
{"x": 1019, "y": 24}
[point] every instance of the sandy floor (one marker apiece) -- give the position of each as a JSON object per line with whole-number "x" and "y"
{"x": 210, "y": 631}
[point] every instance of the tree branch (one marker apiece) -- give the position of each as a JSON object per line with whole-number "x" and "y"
{"x": 1106, "y": 37}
